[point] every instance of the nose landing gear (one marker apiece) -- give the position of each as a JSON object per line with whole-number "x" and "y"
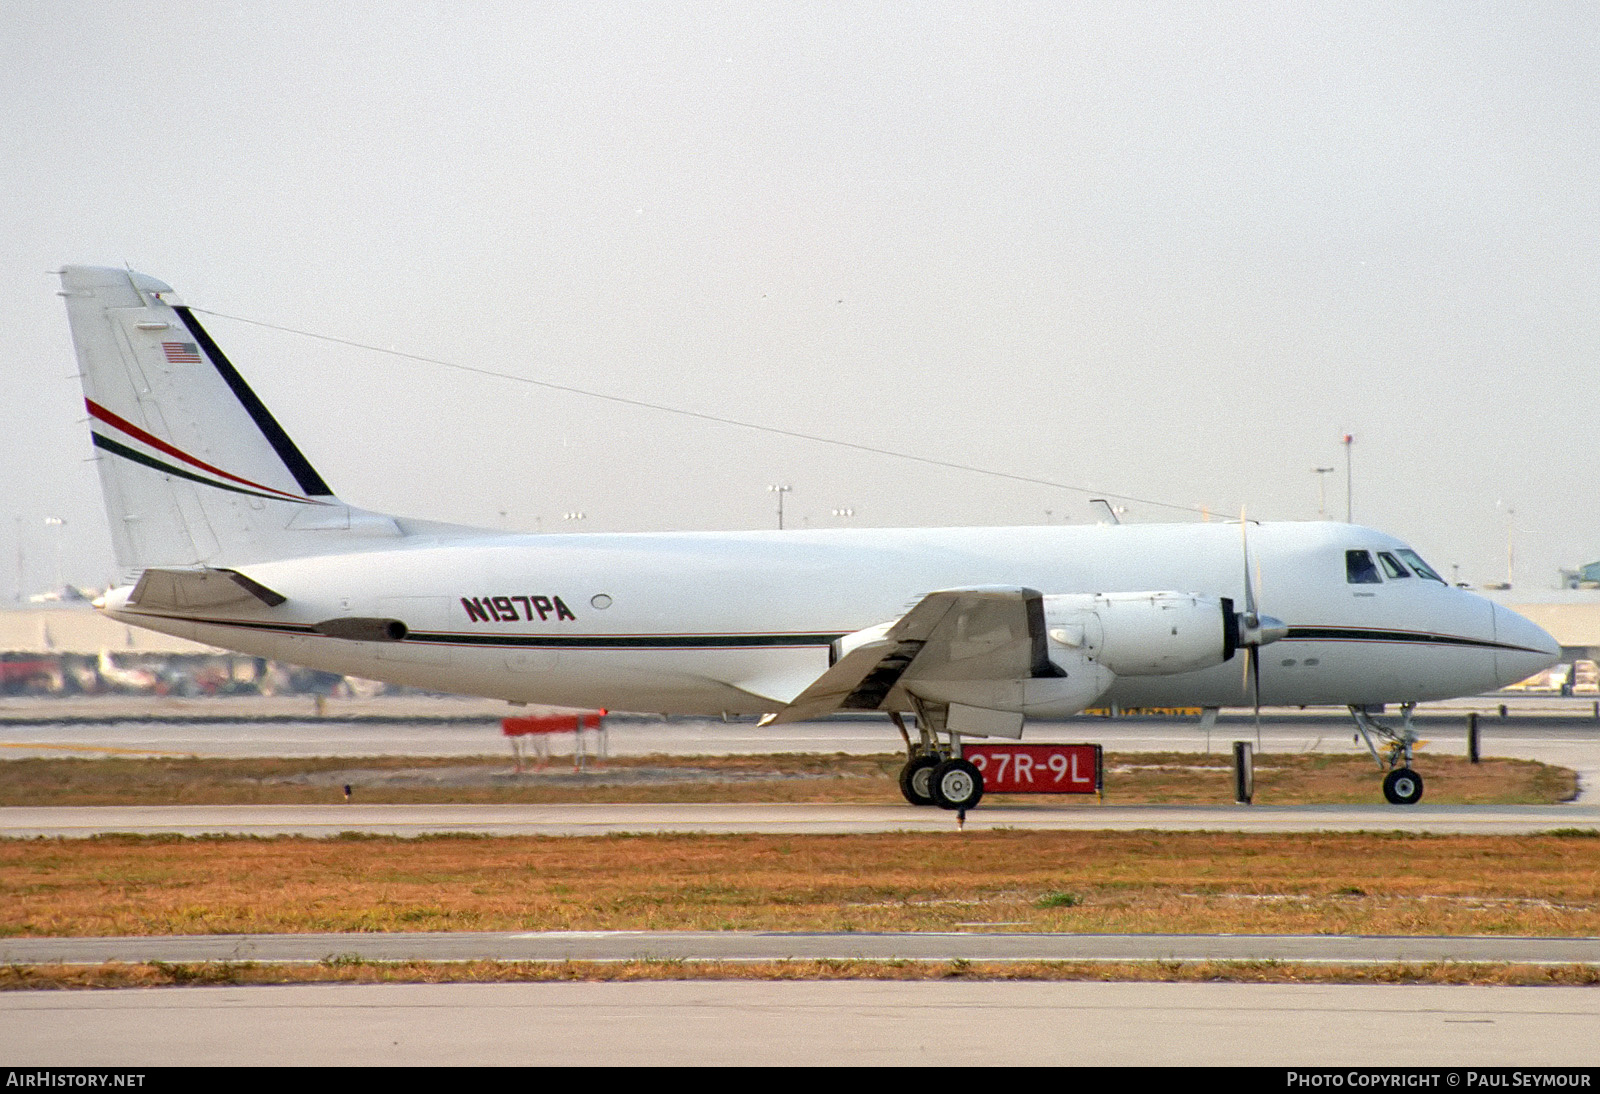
{"x": 1402, "y": 786}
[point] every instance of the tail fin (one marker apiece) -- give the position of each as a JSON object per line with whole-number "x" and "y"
{"x": 194, "y": 468}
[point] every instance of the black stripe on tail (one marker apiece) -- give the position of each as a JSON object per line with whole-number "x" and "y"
{"x": 300, "y": 467}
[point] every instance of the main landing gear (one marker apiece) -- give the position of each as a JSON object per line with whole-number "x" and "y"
{"x": 937, "y": 776}
{"x": 916, "y": 778}
{"x": 1402, "y": 786}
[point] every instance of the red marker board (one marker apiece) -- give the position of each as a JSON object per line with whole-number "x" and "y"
{"x": 1037, "y": 769}
{"x": 551, "y": 723}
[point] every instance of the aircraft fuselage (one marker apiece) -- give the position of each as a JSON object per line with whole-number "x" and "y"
{"x": 739, "y": 622}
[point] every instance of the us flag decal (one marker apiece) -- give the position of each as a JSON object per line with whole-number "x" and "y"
{"x": 182, "y": 353}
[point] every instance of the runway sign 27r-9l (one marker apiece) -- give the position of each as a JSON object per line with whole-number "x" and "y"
{"x": 1037, "y": 769}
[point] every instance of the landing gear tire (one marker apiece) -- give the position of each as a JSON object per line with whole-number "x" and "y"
{"x": 1403, "y": 787}
{"x": 956, "y": 784}
{"x": 916, "y": 777}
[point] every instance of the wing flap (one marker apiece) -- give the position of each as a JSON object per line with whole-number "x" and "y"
{"x": 842, "y": 687}
{"x": 987, "y": 633}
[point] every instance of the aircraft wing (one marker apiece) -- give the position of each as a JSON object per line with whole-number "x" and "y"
{"x": 172, "y": 590}
{"x": 983, "y": 633}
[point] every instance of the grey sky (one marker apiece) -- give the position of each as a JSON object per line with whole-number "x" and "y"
{"x": 1167, "y": 250}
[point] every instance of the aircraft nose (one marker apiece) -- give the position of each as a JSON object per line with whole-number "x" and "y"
{"x": 1522, "y": 647}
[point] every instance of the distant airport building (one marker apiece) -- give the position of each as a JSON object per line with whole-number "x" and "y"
{"x": 71, "y": 626}
{"x": 68, "y": 648}
{"x": 1584, "y": 577}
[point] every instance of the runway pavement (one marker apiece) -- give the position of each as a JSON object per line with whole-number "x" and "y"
{"x": 944, "y": 1022}
{"x": 1541, "y": 727}
{"x": 24, "y": 822}
{"x": 745, "y": 946}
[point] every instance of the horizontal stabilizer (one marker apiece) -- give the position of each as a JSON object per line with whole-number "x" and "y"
{"x": 187, "y": 590}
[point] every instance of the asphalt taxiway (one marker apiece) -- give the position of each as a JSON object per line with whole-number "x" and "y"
{"x": 1552, "y": 729}
{"x": 26, "y": 822}
{"x": 747, "y": 946}
{"x": 947, "y": 1021}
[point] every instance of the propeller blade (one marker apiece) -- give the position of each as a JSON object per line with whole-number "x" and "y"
{"x": 1252, "y": 637}
{"x": 1250, "y": 610}
{"x": 1255, "y": 689}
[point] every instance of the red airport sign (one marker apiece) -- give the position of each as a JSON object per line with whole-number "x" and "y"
{"x": 1037, "y": 769}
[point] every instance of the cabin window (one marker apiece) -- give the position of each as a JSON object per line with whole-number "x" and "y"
{"x": 1419, "y": 567}
{"x": 1359, "y": 569}
{"x": 1391, "y": 565}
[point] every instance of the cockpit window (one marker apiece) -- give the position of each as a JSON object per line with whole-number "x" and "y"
{"x": 1359, "y": 569}
{"x": 1391, "y": 565}
{"x": 1421, "y": 568}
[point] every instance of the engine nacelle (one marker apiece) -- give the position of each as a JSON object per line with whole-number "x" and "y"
{"x": 1042, "y": 697}
{"x": 1092, "y": 638}
{"x": 1142, "y": 634}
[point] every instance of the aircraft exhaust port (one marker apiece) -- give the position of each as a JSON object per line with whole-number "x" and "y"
{"x": 362, "y": 629}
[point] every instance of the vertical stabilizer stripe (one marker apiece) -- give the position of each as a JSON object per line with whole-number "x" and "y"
{"x": 292, "y": 457}
{"x": 154, "y": 464}
{"x": 122, "y": 424}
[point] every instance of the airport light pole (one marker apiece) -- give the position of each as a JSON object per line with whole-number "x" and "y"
{"x": 1322, "y": 491}
{"x": 1349, "y": 439}
{"x": 780, "y": 491}
{"x": 57, "y": 523}
{"x": 1511, "y": 544}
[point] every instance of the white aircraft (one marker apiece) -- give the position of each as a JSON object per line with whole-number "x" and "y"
{"x": 229, "y": 537}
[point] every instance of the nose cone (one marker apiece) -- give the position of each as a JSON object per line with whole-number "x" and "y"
{"x": 1522, "y": 647}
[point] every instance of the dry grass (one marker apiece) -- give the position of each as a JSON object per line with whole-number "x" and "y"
{"x": 468, "y": 780}
{"x": 1131, "y": 778}
{"x": 1027, "y": 881}
{"x": 159, "y": 974}
{"x": 1008, "y": 880}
